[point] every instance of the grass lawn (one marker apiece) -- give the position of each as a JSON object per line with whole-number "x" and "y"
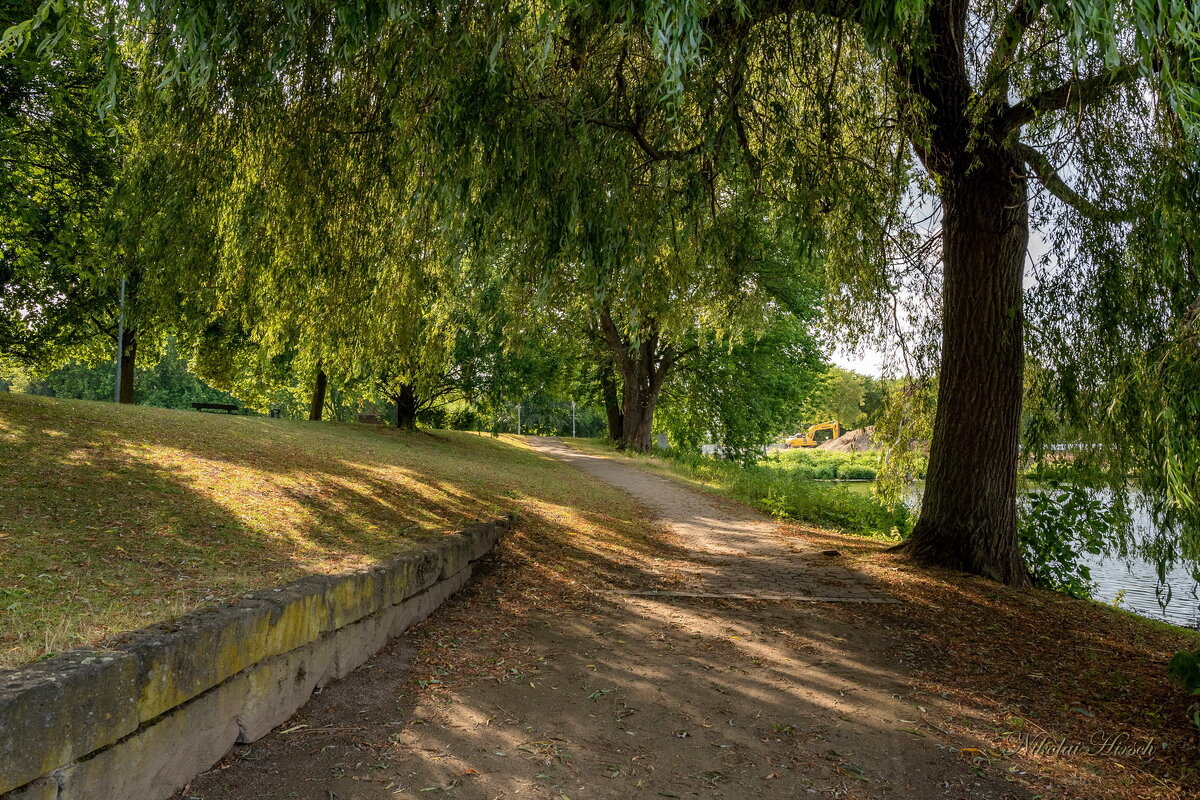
{"x": 114, "y": 517}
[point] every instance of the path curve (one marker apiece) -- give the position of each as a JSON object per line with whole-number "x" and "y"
{"x": 736, "y": 552}
{"x": 631, "y": 696}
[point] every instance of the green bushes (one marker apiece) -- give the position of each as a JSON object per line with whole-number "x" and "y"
{"x": 792, "y": 493}
{"x": 1184, "y": 669}
{"x": 1058, "y": 528}
{"x": 826, "y": 465}
{"x": 857, "y": 472}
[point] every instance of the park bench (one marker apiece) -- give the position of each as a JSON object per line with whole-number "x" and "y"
{"x": 370, "y": 419}
{"x": 228, "y": 408}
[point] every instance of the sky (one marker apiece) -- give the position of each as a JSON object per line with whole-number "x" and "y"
{"x": 867, "y": 363}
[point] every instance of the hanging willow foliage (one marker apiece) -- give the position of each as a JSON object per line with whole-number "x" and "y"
{"x": 660, "y": 157}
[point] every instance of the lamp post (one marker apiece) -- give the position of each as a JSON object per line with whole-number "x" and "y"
{"x": 120, "y": 343}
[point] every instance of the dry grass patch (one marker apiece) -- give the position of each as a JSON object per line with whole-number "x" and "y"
{"x": 115, "y": 517}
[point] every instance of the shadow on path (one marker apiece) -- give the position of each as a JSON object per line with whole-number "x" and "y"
{"x": 519, "y": 689}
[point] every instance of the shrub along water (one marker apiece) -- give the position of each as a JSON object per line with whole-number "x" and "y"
{"x": 826, "y": 465}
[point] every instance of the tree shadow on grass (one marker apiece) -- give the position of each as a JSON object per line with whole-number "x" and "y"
{"x": 112, "y": 517}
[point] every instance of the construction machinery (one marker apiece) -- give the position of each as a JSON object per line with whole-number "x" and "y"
{"x": 809, "y": 437}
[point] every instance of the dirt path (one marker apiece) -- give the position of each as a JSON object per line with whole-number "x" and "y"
{"x": 634, "y": 694}
{"x": 733, "y": 552}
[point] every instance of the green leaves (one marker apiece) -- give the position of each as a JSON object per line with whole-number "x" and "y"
{"x": 1059, "y": 526}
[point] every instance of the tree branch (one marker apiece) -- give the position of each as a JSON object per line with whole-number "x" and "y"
{"x": 1045, "y": 172}
{"x": 1075, "y": 93}
{"x": 642, "y": 142}
{"x": 615, "y": 344}
{"x": 731, "y": 18}
{"x": 1023, "y": 14}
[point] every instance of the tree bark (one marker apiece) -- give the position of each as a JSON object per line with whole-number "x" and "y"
{"x": 317, "y": 408}
{"x": 638, "y": 401}
{"x": 128, "y": 360}
{"x": 406, "y": 407}
{"x": 968, "y": 515}
{"x": 644, "y": 367}
{"x": 612, "y": 403}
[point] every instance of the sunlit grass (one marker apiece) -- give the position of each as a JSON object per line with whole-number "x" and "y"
{"x": 114, "y": 517}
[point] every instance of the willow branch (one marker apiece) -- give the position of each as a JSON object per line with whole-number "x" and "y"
{"x": 1048, "y": 176}
{"x": 1075, "y": 93}
{"x": 1023, "y": 14}
{"x": 655, "y": 153}
{"x": 732, "y": 18}
{"x": 615, "y": 343}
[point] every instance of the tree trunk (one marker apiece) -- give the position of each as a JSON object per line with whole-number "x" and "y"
{"x": 317, "y": 409}
{"x": 968, "y": 515}
{"x": 612, "y": 404}
{"x": 644, "y": 369}
{"x": 638, "y": 405}
{"x": 128, "y": 359}
{"x": 406, "y": 407}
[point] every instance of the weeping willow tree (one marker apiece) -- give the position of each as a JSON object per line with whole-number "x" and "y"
{"x": 294, "y": 244}
{"x": 546, "y": 128}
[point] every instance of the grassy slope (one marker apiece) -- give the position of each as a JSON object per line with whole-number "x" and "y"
{"x": 114, "y": 517}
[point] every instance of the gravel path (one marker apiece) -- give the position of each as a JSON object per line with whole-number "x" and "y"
{"x": 632, "y": 695}
{"x": 735, "y": 552}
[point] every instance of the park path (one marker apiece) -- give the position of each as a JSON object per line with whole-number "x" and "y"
{"x": 734, "y": 552}
{"x": 679, "y": 688}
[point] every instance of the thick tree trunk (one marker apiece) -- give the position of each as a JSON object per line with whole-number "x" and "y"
{"x": 317, "y": 409}
{"x": 644, "y": 369}
{"x": 128, "y": 359}
{"x": 612, "y": 404}
{"x": 406, "y": 407}
{"x": 968, "y": 516}
{"x": 638, "y": 402}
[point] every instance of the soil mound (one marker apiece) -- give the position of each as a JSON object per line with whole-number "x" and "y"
{"x": 855, "y": 441}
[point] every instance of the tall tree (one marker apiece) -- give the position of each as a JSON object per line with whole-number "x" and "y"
{"x": 745, "y": 395}
{"x": 812, "y": 108}
{"x": 58, "y": 164}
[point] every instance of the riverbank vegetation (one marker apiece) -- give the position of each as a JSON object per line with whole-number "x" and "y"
{"x": 825, "y": 465}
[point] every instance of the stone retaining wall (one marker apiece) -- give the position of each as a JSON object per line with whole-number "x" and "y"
{"x": 142, "y": 717}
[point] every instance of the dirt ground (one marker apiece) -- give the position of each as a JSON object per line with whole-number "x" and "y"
{"x": 667, "y": 675}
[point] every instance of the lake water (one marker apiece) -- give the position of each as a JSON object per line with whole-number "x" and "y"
{"x": 1176, "y": 600}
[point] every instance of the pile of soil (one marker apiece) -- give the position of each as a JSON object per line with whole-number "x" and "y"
{"x": 856, "y": 441}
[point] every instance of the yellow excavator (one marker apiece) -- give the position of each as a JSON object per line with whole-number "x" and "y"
{"x": 809, "y": 437}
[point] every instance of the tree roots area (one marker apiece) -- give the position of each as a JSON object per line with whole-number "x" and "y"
{"x": 582, "y": 663}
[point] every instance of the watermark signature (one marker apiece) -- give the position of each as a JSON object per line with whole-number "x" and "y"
{"x": 1118, "y": 745}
